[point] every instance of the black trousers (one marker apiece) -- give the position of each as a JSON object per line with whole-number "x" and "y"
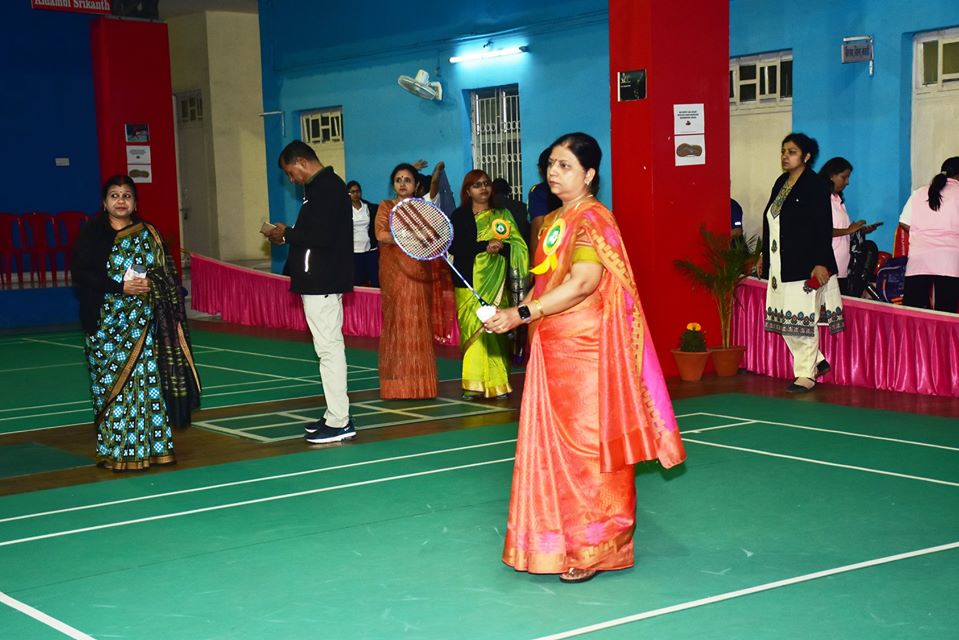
{"x": 946, "y": 290}
{"x": 366, "y": 269}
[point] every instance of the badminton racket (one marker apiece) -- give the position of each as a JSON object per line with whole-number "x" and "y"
{"x": 423, "y": 232}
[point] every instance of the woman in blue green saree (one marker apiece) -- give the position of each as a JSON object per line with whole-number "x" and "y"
{"x": 488, "y": 249}
{"x": 143, "y": 380}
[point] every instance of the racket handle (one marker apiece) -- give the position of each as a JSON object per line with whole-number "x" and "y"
{"x": 486, "y": 312}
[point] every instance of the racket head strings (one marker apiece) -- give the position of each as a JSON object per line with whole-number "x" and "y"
{"x": 421, "y": 230}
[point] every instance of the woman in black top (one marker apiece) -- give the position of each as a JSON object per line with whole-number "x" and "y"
{"x": 799, "y": 262}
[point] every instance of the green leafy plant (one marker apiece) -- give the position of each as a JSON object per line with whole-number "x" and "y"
{"x": 693, "y": 339}
{"x": 725, "y": 265}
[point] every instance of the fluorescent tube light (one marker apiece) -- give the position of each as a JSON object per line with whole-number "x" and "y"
{"x": 493, "y": 53}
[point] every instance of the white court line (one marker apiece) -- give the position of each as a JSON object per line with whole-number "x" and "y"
{"x": 41, "y": 415}
{"x": 719, "y": 426}
{"x": 44, "y": 366}
{"x": 244, "y": 503}
{"x": 44, "y": 406}
{"x": 843, "y": 433}
{"x": 729, "y": 595}
{"x": 40, "y": 616}
{"x": 379, "y": 425}
{"x": 233, "y": 432}
{"x": 312, "y": 361}
{"x": 235, "y": 483}
{"x": 58, "y": 344}
{"x": 17, "y": 340}
{"x": 824, "y": 463}
{"x": 254, "y": 373}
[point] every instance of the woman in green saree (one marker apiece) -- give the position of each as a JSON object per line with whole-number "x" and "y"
{"x": 487, "y": 249}
{"x": 143, "y": 379}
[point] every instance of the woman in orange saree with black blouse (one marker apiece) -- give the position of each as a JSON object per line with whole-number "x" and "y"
{"x": 595, "y": 401}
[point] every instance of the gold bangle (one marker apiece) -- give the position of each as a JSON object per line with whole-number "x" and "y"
{"x": 539, "y": 307}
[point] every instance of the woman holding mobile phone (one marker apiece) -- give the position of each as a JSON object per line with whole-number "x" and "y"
{"x": 143, "y": 379}
{"x": 798, "y": 261}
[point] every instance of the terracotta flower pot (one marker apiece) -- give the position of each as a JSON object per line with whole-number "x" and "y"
{"x": 691, "y": 364}
{"x": 726, "y": 361}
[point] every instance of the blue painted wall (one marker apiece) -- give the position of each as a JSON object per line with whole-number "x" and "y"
{"x": 563, "y": 82}
{"x": 865, "y": 119}
{"x": 47, "y": 111}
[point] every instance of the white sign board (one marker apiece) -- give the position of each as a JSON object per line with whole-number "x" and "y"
{"x": 688, "y": 119}
{"x": 138, "y": 154}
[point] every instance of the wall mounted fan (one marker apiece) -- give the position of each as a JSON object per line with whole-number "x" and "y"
{"x": 421, "y": 86}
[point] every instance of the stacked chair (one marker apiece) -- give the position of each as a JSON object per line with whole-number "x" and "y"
{"x": 38, "y": 243}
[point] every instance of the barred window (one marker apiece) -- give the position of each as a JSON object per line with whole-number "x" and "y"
{"x": 494, "y": 119}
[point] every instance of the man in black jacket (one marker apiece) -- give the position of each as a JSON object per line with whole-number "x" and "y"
{"x": 320, "y": 266}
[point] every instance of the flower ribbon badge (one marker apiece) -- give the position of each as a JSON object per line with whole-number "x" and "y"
{"x": 501, "y": 229}
{"x": 550, "y": 243}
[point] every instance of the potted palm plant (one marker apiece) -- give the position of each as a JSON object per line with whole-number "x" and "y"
{"x": 726, "y": 263}
{"x": 691, "y": 355}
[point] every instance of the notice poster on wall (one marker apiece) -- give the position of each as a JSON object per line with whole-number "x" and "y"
{"x": 632, "y": 85}
{"x": 140, "y": 172}
{"x": 138, "y": 154}
{"x": 688, "y": 118}
{"x": 690, "y": 150}
{"x": 137, "y": 132}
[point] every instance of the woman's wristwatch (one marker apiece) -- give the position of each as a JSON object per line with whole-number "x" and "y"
{"x": 524, "y": 313}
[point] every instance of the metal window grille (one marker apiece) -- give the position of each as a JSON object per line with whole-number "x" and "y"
{"x": 494, "y": 116}
{"x": 190, "y": 106}
{"x": 322, "y": 127}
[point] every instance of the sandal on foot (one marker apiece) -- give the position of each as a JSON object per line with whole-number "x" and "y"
{"x": 577, "y": 575}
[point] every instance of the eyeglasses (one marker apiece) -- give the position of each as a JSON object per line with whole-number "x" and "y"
{"x": 120, "y": 196}
{"x": 355, "y": 191}
{"x": 481, "y": 184}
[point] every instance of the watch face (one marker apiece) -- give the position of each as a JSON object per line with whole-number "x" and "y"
{"x": 523, "y": 312}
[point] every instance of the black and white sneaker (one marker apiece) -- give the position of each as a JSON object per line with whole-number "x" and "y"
{"x": 313, "y": 427}
{"x": 326, "y": 434}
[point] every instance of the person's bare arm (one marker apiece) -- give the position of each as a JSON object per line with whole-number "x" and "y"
{"x": 583, "y": 279}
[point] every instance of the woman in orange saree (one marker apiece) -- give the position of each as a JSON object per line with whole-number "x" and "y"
{"x": 406, "y": 359}
{"x": 595, "y": 401}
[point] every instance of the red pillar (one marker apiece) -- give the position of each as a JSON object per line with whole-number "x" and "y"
{"x": 684, "y": 49}
{"x": 132, "y": 86}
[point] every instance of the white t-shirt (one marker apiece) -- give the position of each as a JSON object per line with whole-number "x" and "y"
{"x": 840, "y": 244}
{"x": 361, "y": 228}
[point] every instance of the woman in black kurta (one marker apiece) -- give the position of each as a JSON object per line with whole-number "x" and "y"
{"x": 797, "y": 254}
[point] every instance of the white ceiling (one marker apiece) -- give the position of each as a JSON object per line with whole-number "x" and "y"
{"x": 170, "y": 8}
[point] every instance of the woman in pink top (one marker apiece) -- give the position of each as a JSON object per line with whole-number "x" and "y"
{"x": 933, "y": 225}
{"x": 836, "y": 171}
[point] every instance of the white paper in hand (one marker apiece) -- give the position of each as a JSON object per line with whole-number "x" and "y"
{"x": 135, "y": 271}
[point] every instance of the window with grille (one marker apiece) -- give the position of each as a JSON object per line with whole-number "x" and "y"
{"x": 189, "y": 107}
{"x": 494, "y": 119}
{"x": 323, "y": 127}
{"x": 759, "y": 81}
{"x": 937, "y": 60}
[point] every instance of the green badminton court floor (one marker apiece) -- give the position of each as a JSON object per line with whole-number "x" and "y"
{"x": 790, "y": 520}
{"x": 45, "y": 382}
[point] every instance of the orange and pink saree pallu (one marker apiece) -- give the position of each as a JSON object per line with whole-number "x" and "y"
{"x": 594, "y": 404}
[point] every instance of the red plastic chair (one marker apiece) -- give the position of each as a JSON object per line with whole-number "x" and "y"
{"x": 39, "y": 228}
{"x": 68, "y": 224}
{"x": 11, "y": 248}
